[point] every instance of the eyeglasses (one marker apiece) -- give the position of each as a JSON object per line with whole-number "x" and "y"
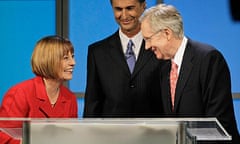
{"x": 150, "y": 37}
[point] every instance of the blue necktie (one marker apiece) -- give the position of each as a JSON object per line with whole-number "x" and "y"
{"x": 130, "y": 56}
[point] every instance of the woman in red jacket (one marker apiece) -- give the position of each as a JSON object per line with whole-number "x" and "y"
{"x": 43, "y": 96}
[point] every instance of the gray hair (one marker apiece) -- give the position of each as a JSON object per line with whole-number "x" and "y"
{"x": 164, "y": 16}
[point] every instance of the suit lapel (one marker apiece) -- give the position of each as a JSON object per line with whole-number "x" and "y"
{"x": 185, "y": 71}
{"x": 165, "y": 87}
{"x": 43, "y": 104}
{"x": 143, "y": 58}
{"x": 116, "y": 52}
{"x": 57, "y": 111}
{"x": 117, "y": 55}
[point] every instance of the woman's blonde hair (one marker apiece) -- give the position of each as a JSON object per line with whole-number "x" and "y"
{"x": 47, "y": 56}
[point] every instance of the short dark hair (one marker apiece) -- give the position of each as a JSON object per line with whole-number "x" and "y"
{"x": 141, "y": 1}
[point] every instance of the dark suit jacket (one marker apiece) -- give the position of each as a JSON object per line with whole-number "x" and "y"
{"x": 203, "y": 87}
{"x": 111, "y": 90}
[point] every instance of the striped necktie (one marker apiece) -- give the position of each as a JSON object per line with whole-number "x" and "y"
{"x": 173, "y": 81}
{"x": 130, "y": 56}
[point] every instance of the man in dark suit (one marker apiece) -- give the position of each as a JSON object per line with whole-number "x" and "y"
{"x": 203, "y": 86}
{"x": 112, "y": 89}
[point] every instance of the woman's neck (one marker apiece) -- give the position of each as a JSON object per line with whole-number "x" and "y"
{"x": 52, "y": 88}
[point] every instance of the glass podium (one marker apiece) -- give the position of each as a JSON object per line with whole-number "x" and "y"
{"x": 116, "y": 131}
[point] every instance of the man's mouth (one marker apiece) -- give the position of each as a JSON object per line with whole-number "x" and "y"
{"x": 125, "y": 22}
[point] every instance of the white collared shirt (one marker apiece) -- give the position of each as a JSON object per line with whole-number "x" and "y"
{"x": 137, "y": 40}
{"x": 180, "y": 52}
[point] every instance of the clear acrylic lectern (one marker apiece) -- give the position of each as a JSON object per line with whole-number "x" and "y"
{"x": 116, "y": 131}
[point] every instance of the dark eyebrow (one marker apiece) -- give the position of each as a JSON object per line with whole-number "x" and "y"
{"x": 118, "y": 8}
{"x": 128, "y": 7}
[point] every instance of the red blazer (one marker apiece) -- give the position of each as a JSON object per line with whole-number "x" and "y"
{"x": 29, "y": 99}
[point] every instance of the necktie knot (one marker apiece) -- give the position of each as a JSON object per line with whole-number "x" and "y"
{"x": 130, "y": 56}
{"x": 130, "y": 48}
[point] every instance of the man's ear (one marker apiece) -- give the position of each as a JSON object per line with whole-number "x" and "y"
{"x": 168, "y": 33}
{"x": 144, "y": 5}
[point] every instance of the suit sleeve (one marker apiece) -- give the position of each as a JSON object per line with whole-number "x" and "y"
{"x": 74, "y": 107}
{"x": 216, "y": 84}
{"x": 14, "y": 103}
{"x": 6, "y": 139}
{"x": 93, "y": 99}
